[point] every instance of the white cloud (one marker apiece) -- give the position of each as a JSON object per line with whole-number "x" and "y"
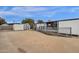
{"x": 3, "y": 8}
{"x": 75, "y": 9}
{"x": 30, "y": 11}
{"x": 30, "y": 8}
{"x": 7, "y": 13}
{"x": 26, "y": 11}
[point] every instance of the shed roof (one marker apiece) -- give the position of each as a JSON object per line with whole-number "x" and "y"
{"x": 65, "y": 20}
{"x": 69, "y": 19}
{"x": 60, "y": 20}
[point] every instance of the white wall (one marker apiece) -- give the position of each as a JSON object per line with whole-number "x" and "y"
{"x": 18, "y": 27}
{"x": 21, "y": 26}
{"x": 74, "y": 24}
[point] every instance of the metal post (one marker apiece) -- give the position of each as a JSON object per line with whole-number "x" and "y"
{"x": 70, "y": 31}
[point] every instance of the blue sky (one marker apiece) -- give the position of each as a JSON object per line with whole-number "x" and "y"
{"x": 18, "y": 13}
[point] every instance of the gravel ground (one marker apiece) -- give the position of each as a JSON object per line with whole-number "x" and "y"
{"x": 36, "y": 42}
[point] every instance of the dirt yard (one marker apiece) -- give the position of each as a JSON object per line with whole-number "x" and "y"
{"x": 32, "y": 41}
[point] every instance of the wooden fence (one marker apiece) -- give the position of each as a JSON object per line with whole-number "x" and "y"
{"x": 8, "y": 27}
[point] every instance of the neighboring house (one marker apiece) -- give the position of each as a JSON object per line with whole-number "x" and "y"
{"x": 26, "y": 26}
{"x": 6, "y": 27}
{"x": 41, "y": 26}
{"x": 52, "y": 26}
{"x": 47, "y": 26}
{"x": 67, "y": 26}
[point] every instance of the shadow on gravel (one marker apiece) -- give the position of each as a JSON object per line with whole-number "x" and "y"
{"x": 21, "y": 50}
{"x": 59, "y": 34}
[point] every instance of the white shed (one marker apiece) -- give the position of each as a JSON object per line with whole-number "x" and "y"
{"x": 70, "y": 26}
{"x": 21, "y": 27}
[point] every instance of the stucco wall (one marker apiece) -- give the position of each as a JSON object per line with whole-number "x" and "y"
{"x": 73, "y": 24}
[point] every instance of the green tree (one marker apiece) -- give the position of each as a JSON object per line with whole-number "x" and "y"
{"x": 40, "y": 21}
{"x": 2, "y": 21}
{"x": 29, "y": 21}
